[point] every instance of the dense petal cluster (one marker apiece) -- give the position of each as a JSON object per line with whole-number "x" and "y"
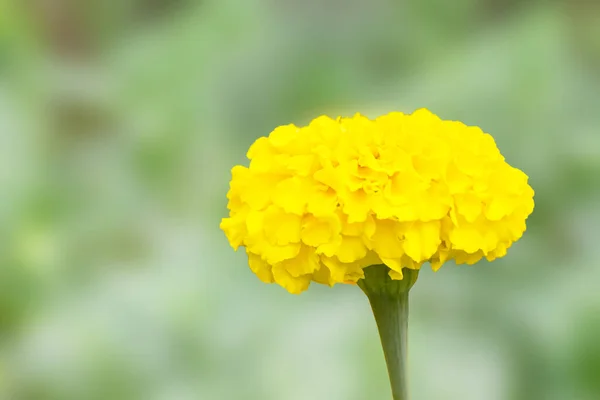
{"x": 322, "y": 202}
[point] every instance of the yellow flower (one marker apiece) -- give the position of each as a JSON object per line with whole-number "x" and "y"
{"x": 322, "y": 202}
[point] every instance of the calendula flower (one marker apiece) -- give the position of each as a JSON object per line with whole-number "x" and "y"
{"x": 323, "y": 202}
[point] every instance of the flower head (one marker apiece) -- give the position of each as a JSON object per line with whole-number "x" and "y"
{"x": 322, "y": 202}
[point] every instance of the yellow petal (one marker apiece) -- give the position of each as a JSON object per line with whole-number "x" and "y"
{"x": 318, "y": 231}
{"x": 322, "y": 202}
{"x": 386, "y": 240}
{"x": 498, "y": 208}
{"x": 281, "y": 228}
{"x": 275, "y": 254}
{"x": 467, "y": 238}
{"x": 235, "y": 230}
{"x": 351, "y": 249}
{"x": 294, "y": 285}
{"x": 395, "y": 266}
{"x": 421, "y": 240}
{"x": 260, "y": 268}
{"x": 305, "y": 263}
{"x": 289, "y": 194}
{"x": 323, "y": 276}
{"x": 468, "y": 205}
{"x": 356, "y": 206}
{"x": 337, "y": 269}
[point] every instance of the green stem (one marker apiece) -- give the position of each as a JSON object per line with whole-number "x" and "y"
{"x": 391, "y": 315}
{"x": 389, "y": 302}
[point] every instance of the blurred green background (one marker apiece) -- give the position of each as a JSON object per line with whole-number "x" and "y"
{"x": 120, "y": 121}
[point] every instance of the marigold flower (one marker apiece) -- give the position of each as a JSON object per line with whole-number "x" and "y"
{"x": 322, "y": 202}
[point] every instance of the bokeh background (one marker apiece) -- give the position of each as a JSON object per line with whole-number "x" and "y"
{"x": 120, "y": 121}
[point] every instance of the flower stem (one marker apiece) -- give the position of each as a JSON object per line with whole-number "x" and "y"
{"x": 391, "y": 315}
{"x": 389, "y": 302}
